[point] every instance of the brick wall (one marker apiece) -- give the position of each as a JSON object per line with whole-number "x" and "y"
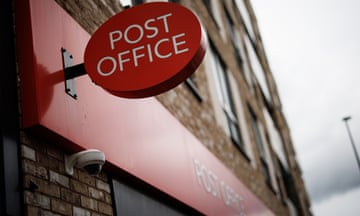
{"x": 48, "y": 190}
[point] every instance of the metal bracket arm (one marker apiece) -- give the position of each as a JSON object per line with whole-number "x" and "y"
{"x": 74, "y": 71}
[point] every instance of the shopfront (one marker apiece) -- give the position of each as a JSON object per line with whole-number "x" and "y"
{"x": 157, "y": 165}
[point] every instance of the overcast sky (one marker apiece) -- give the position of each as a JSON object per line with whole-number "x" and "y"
{"x": 314, "y": 52}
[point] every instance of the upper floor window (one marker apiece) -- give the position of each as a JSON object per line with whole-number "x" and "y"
{"x": 245, "y": 15}
{"x": 233, "y": 37}
{"x": 192, "y": 85}
{"x": 257, "y": 69}
{"x": 275, "y": 138}
{"x": 266, "y": 160}
{"x": 131, "y": 2}
{"x": 256, "y": 131}
{"x": 213, "y": 10}
{"x": 226, "y": 100}
{"x": 208, "y": 6}
{"x": 261, "y": 148}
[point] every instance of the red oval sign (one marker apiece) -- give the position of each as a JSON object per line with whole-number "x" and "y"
{"x": 145, "y": 50}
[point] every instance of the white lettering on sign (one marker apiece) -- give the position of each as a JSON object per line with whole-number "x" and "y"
{"x": 218, "y": 188}
{"x": 162, "y": 48}
{"x": 102, "y": 60}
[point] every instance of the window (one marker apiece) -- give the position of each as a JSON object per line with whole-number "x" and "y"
{"x": 258, "y": 139}
{"x": 291, "y": 190}
{"x": 136, "y": 2}
{"x": 266, "y": 172}
{"x": 257, "y": 69}
{"x": 209, "y": 7}
{"x": 233, "y": 36}
{"x": 130, "y": 2}
{"x": 240, "y": 53}
{"x": 225, "y": 95}
{"x": 261, "y": 148}
{"x": 276, "y": 141}
{"x": 246, "y": 18}
{"x": 193, "y": 88}
{"x": 132, "y": 197}
{"x": 245, "y": 66}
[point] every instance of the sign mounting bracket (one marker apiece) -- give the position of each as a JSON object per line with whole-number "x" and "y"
{"x": 71, "y": 71}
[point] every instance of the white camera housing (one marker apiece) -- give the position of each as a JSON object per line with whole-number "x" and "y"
{"x": 90, "y": 160}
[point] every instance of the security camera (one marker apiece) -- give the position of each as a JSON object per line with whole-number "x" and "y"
{"x": 90, "y": 160}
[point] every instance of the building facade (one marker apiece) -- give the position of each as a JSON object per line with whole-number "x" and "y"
{"x": 217, "y": 144}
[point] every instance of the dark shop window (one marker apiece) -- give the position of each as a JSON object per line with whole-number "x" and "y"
{"x": 140, "y": 200}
